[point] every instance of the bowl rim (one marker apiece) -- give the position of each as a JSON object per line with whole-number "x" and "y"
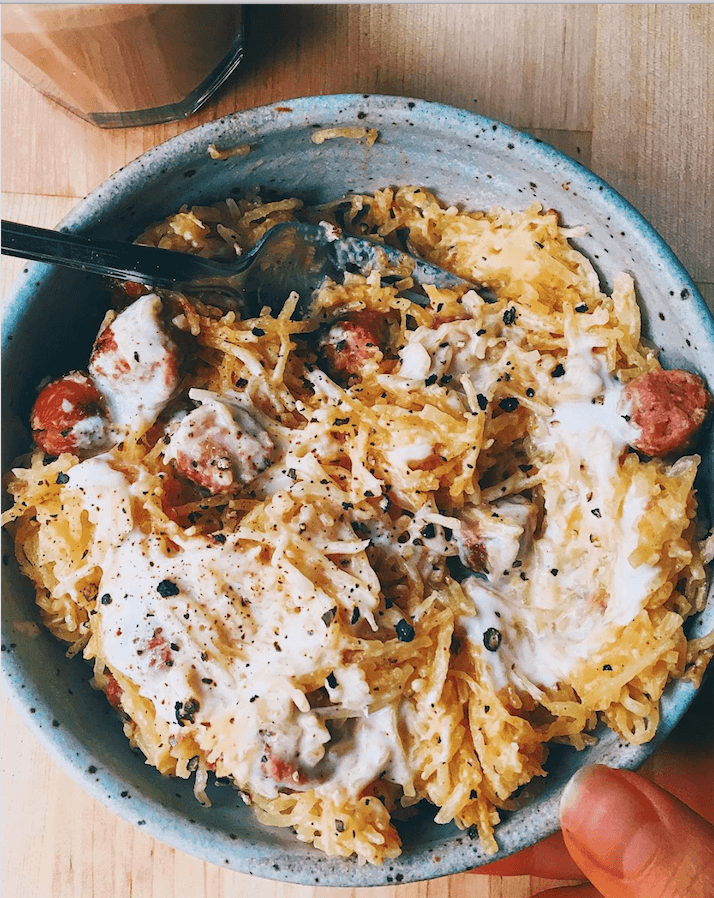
{"x": 69, "y": 751}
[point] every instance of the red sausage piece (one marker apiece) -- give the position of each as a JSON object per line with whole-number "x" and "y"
{"x": 69, "y": 416}
{"x": 669, "y": 407}
{"x": 351, "y": 342}
{"x": 218, "y": 445}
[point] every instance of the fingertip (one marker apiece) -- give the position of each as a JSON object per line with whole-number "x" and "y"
{"x": 628, "y": 836}
{"x": 612, "y": 823}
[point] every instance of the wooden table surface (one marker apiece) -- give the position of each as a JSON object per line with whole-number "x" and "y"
{"x": 627, "y": 90}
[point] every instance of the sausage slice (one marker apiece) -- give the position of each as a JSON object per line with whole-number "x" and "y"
{"x": 351, "y": 343}
{"x": 669, "y": 408}
{"x": 69, "y": 415}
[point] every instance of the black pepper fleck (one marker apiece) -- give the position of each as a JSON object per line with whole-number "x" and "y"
{"x": 167, "y": 588}
{"x": 329, "y": 616}
{"x": 186, "y": 711}
{"x": 492, "y": 639}
{"x": 405, "y": 631}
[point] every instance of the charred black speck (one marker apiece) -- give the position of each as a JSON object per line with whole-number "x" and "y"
{"x": 492, "y": 639}
{"x": 186, "y": 711}
{"x": 558, "y": 371}
{"x": 329, "y": 616}
{"x": 482, "y": 402}
{"x": 62, "y": 478}
{"x": 405, "y": 631}
{"x": 167, "y": 588}
{"x": 509, "y": 404}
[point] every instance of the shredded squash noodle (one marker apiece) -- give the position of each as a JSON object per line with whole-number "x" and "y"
{"x": 384, "y": 553}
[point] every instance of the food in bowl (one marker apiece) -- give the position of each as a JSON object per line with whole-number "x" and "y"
{"x": 383, "y": 553}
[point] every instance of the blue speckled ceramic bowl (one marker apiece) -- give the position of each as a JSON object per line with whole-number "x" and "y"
{"x": 51, "y": 316}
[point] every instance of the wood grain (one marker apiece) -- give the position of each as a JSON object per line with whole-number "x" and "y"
{"x": 653, "y": 124}
{"x": 627, "y": 90}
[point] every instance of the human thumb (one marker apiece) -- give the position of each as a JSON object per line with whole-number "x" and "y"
{"x": 633, "y": 840}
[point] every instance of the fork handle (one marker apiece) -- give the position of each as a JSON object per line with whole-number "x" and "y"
{"x": 127, "y": 261}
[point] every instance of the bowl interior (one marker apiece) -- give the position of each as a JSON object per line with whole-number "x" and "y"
{"x": 51, "y": 317}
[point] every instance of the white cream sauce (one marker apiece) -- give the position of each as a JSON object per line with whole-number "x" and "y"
{"x": 210, "y": 635}
{"x": 218, "y": 443}
{"x": 577, "y": 586}
{"x": 137, "y": 372}
{"x": 89, "y": 433}
{"x": 106, "y": 496}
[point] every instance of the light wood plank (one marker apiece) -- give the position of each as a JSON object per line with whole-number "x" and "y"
{"x": 528, "y": 65}
{"x": 653, "y": 120}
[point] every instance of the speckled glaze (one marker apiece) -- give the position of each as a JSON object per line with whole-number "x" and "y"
{"x": 51, "y": 317}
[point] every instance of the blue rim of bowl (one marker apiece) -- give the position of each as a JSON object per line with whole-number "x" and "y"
{"x": 460, "y": 852}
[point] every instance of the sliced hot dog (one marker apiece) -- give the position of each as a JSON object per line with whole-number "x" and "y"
{"x": 352, "y": 342}
{"x": 218, "y": 445}
{"x": 669, "y": 408}
{"x": 69, "y": 415}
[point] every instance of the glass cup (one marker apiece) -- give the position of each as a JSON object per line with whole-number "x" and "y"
{"x": 125, "y": 64}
